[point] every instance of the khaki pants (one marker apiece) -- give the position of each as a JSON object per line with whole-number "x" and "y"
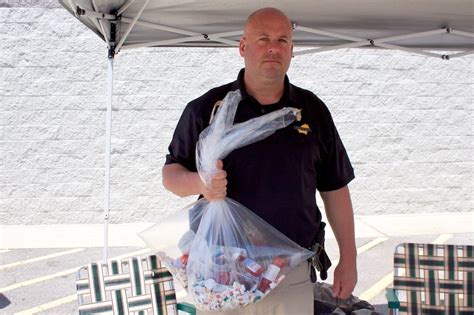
{"x": 294, "y": 296}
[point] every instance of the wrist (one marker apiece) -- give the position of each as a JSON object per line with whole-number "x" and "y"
{"x": 196, "y": 183}
{"x": 348, "y": 254}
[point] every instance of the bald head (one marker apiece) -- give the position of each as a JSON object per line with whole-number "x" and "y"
{"x": 267, "y": 48}
{"x": 261, "y": 15}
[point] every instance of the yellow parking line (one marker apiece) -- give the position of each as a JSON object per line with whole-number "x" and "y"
{"x": 49, "y": 305}
{"x": 364, "y": 248}
{"x": 37, "y": 280}
{"x": 28, "y": 261}
{"x": 60, "y": 274}
{"x": 4, "y": 251}
{"x": 387, "y": 280}
{"x": 371, "y": 244}
{"x": 378, "y": 287}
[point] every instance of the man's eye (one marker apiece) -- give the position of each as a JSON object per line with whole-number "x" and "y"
{"x": 283, "y": 41}
{"x": 263, "y": 39}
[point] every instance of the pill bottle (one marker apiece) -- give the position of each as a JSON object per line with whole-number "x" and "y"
{"x": 221, "y": 273}
{"x": 268, "y": 277}
{"x": 280, "y": 261}
{"x": 250, "y": 265}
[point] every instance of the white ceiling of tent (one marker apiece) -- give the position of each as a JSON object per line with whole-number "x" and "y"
{"x": 182, "y": 23}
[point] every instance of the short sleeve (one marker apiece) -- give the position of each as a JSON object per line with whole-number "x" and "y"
{"x": 334, "y": 169}
{"x": 182, "y": 148}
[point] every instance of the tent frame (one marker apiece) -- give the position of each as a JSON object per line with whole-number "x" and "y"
{"x": 189, "y": 37}
{"x": 102, "y": 20}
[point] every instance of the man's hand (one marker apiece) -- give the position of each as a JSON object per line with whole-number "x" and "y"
{"x": 217, "y": 188}
{"x": 182, "y": 182}
{"x": 345, "y": 279}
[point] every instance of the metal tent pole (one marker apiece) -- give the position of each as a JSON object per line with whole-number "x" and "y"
{"x": 108, "y": 133}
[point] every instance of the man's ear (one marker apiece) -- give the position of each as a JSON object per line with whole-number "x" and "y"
{"x": 242, "y": 46}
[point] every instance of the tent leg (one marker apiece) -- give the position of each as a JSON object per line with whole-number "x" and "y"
{"x": 108, "y": 132}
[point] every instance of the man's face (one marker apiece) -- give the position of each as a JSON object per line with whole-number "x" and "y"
{"x": 267, "y": 47}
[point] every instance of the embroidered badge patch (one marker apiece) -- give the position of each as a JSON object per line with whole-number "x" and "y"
{"x": 303, "y": 129}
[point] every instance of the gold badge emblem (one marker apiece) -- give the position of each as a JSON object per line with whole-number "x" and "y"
{"x": 303, "y": 129}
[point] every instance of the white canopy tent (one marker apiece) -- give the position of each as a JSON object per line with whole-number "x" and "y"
{"x": 410, "y": 25}
{"x": 416, "y": 26}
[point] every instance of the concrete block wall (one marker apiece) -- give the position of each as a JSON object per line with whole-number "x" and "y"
{"x": 406, "y": 121}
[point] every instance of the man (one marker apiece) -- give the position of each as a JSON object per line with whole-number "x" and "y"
{"x": 277, "y": 177}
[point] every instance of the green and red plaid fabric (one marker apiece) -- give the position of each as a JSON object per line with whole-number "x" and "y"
{"x": 130, "y": 286}
{"x": 434, "y": 279}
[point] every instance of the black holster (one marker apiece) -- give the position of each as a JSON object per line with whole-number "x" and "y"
{"x": 320, "y": 261}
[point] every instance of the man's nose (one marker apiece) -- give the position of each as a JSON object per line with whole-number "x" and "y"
{"x": 273, "y": 46}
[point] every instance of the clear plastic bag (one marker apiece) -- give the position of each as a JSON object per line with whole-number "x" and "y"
{"x": 230, "y": 257}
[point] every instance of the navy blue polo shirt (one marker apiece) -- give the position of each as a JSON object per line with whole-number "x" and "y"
{"x": 277, "y": 177}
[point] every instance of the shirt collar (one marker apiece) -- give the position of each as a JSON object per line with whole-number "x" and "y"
{"x": 289, "y": 96}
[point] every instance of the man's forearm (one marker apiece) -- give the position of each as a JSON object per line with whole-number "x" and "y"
{"x": 340, "y": 215}
{"x": 180, "y": 181}
{"x": 339, "y": 212}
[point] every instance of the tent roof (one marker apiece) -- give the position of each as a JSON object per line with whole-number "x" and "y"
{"x": 322, "y": 23}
